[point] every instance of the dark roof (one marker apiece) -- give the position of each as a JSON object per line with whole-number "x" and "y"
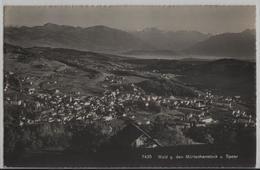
{"x": 129, "y": 134}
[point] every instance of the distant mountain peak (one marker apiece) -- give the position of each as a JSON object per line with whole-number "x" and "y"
{"x": 57, "y": 26}
{"x": 152, "y": 29}
{"x": 49, "y": 24}
{"x": 101, "y": 27}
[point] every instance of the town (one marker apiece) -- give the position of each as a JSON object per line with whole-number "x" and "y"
{"x": 119, "y": 99}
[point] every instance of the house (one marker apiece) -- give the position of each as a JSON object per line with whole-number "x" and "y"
{"x": 132, "y": 135}
{"x": 207, "y": 120}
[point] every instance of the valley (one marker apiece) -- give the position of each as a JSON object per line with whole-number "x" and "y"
{"x": 55, "y": 95}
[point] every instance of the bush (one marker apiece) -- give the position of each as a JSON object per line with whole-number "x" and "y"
{"x": 168, "y": 133}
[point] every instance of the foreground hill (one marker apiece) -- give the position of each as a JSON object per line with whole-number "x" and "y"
{"x": 236, "y": 45}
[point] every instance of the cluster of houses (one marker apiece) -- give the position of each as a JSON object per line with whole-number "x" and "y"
{"x": 57, "y": 106}
{"x": 241, "y": 117}
{"x": 114, "y": 79}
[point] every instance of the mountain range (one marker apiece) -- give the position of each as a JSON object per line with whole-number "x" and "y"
{"x": 96, "y": 38}
{"x": 148, "y": 41}
{"x": 170, "y": 40}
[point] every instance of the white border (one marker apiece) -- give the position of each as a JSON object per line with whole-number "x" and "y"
{"x": 1, "y": 89}
{"x": 129, "y": 2}
{"x": 257, "y": 83}
{"x": 124, "y": 3}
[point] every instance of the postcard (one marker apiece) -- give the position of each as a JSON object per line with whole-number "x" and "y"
{"x": 129, "y": 86}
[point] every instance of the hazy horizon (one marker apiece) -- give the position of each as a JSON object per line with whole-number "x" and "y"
{"x": 205, "y": 19}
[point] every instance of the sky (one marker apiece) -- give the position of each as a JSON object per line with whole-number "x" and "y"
{"x": 206, "y": 19}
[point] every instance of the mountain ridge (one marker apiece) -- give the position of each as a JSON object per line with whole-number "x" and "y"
{"x": 240, "y": 45}
{"x": 100, "y": 38}
{"x": 96, "y": 38}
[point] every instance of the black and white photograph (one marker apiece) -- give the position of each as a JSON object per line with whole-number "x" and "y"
{"x": 129, "y": 86}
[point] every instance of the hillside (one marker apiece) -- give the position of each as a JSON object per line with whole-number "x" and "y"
{"x": 236, "y": 45}
{"x": 150, "y": 53}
